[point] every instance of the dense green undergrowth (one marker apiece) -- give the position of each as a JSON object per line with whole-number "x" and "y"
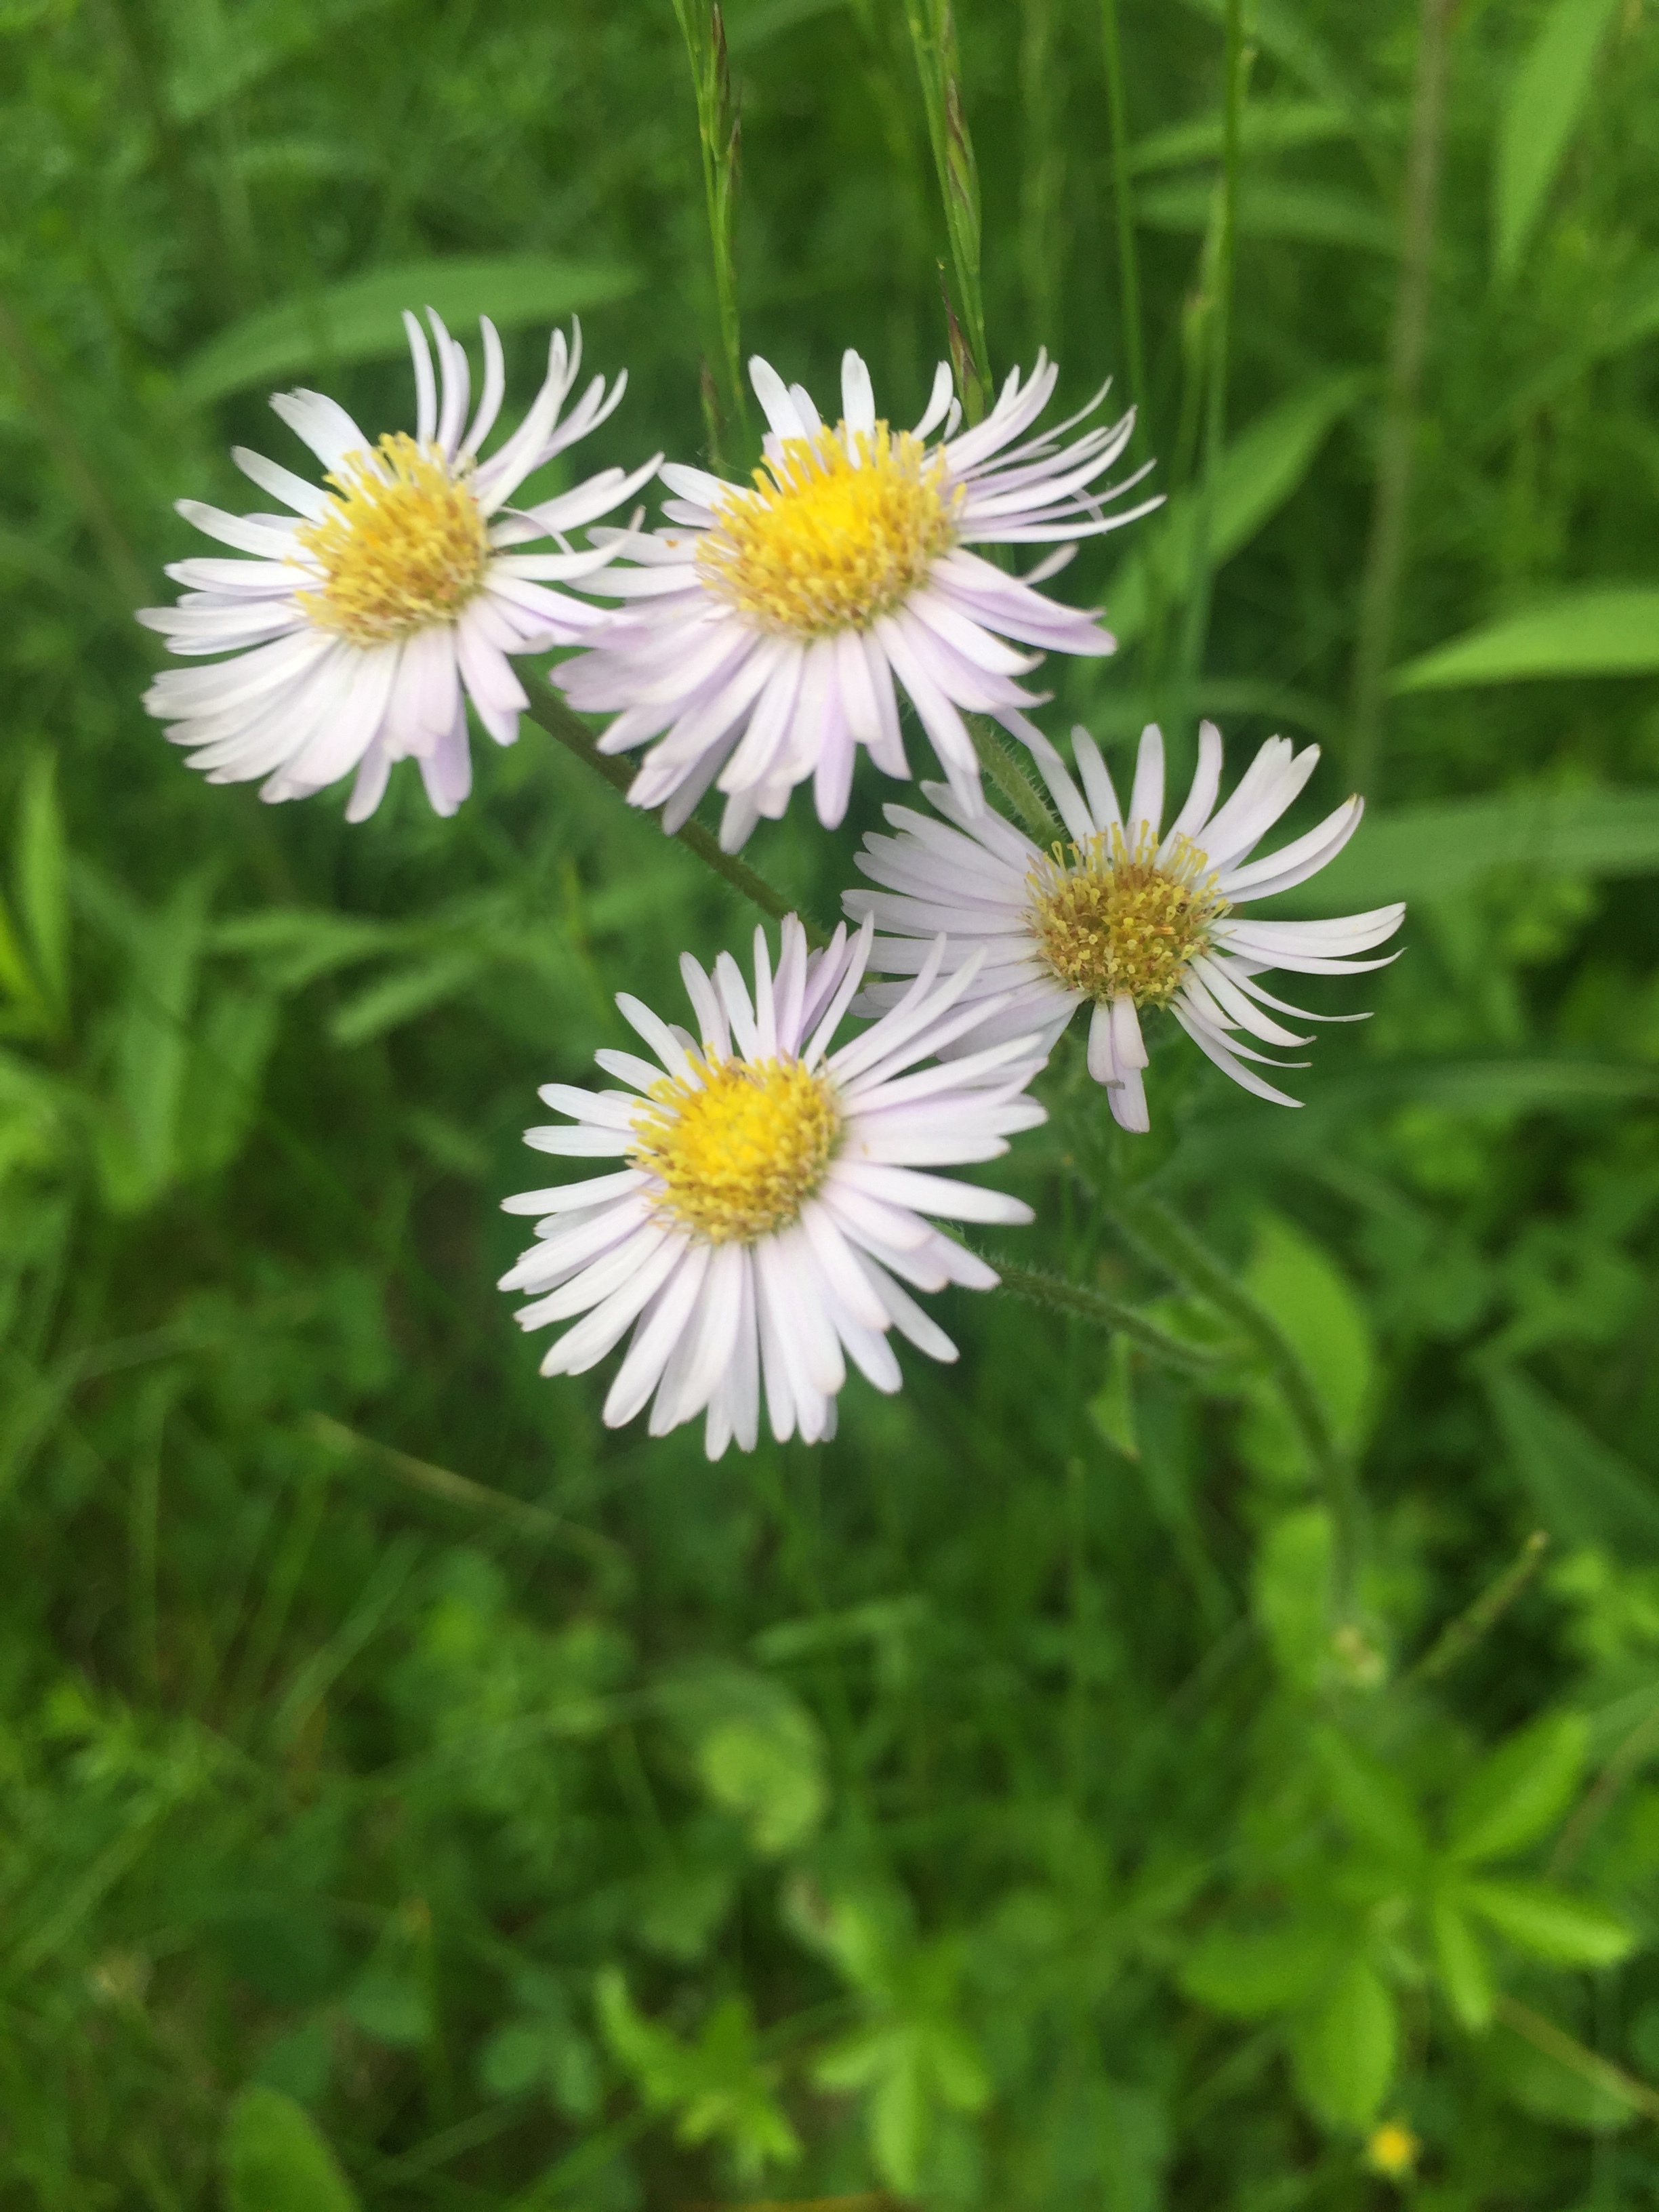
{"x": 412, "y": 1794}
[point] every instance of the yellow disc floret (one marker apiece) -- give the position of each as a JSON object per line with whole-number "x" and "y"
{"x": 1113, "y": 922}
{"x": 403, "y": 545}
{"x": 740, "y": 1148}
{"x": 841, "y": 528}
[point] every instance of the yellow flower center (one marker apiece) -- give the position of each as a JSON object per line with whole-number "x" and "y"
{"x": 1111, "y": 920}
{"x": 828, "y": 539}
{"x": 405, "y": 545}
{"x": 741, "y": 1152}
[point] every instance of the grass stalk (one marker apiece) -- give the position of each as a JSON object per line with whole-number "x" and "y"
{"x": 560, "y": 721}
{"x": 719, "y": 134}
{"x": 1461, "y": 1635}
{"x": 1123, "y": 208}
{"x": 1218, "y": 335}
{"x": 1385, "y": 554}
{"x": 938, "y": 66}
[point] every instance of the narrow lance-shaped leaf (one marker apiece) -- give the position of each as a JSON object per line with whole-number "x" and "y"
{"x": 1545, "y": 107}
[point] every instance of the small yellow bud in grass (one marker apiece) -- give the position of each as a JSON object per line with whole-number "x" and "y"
{"x": 1393, "y": 2151}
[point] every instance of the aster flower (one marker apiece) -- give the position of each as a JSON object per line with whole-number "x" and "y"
{"x": 773, "y": 1201}
{"x": 1124, "y": 918}
{"x": 769, "y": 626}
{"x": 371, "y": 612}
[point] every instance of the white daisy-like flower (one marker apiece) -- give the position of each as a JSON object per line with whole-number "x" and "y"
{"x": 1124, "y": 918}
{"x": 371, "y": 612}
{"x": 769, "y": 625}
{"x": 775, "y": 1198}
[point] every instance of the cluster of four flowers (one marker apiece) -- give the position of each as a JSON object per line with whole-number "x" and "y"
{"x": 776, "y": 1192}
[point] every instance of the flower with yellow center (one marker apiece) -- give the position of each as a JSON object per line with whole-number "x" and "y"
{"x": 739, "y": 1148}
{"x": 1113, "y": 921}
{"x": 773, "y": 1198}
{"x": 402, "y": 546}
{"x": 1393, "y": 2151}
{"x": 841, "y": 527}
{"x": 375, "y": 609}
{"x": 1125, "y": 918}
{"x": 766, "y": 635}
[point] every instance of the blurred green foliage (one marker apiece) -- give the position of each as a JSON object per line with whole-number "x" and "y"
{"x": 412, "y": 1795}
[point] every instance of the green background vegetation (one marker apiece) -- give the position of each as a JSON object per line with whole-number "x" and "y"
{"x": 412, "y": 1795}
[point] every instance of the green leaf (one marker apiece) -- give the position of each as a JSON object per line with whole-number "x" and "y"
{"x": 1292, "y": 1594}
{"x": 1581, "y": 1489}
{"x": 1374, "y": 1805}
{"x": 717, "y": 2086}
{"x": 275, "y": 2160}
{"x": 404, "y": 995}
{"x": 757, "y": 1751}
{"x": 1266, "y": 127}
{"x": 1517, "y": 1793}
{"x": 1599, "y": 631}
{"x": 1461, "y": 1957}
{"x": 1258, "y": 473}
{"x": 1535, "y": 1917}
{"x": 1435, "y": 852}
{"x": 1310, "y": 214}
{"x": 42, "y": 881}
{"x": 1544, "y": 106}
{"x": 1251, "y": 1975}
{"x": 1342, "y": 2050}
{"x": 359, "y": 319}
{"x": 1317, "y": 1308}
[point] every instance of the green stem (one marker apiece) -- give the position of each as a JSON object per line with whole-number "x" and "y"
{"x": 1129, "y": 259}
{"x": 1566, "y": 2049}
{"x": 1201, "y": 575}
{"x": 719, "y": 134}
{"x": 933, "y": 38}
{"x": 1385, "y": 557}
{"x": 1055, "y": 1294}
{"x": 1036, "y": 817}
{"x": 1461, "y": 1634}
{"x": 560, "y": 721}
{"x": 1638, "y": 1747}
{"x": 1166, "y": 1240}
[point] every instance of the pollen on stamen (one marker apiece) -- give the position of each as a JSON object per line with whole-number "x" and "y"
{"x": 404, "y": 544}
{"x": 840, "y": 528}
{"x": 740, "y": 1149}
{"x": 1113, "y": 922}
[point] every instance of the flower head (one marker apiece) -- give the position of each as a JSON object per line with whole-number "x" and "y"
{"x": 1392, "y": 2150}
{"x": 375, "y": 608}
{"x": 771, "y": 624}
{"x": 772, "y": 1203}
{"x": 1119, "y": 915}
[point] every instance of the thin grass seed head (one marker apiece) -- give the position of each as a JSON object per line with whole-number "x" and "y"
{"x": 1113, "y": 920}
{"x": 841, "y": 527}
{"x": 740, "y": 1151}
{"x": 403, "y": 543}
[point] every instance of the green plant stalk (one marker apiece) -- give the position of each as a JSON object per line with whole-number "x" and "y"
{"x": 1035, "y": 1286}
{"x": 1201, "y": 576}
{"x": 560, "y": 721}
{"x": 1128, "y": 257}
{"x": 1461, "y": 1634}
{"x": 1566, "y": 2049}
{"x": 1166, "y": 1240}
{"x": 1638, "y": 1747}
{"x": 1385, "y": 554}
{"x": 933, "y": 38}
{"x": 1035, "y": 816}
{"x": 719, "y": 134}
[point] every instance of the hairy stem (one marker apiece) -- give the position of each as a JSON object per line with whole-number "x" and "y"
{"x": 1034, "y": 815}
{"x": 719, "y": 134}
{"x": 1385, "y": 555}
{"x": 1056, "y": 1294}
{"x": 560, "y": 721}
